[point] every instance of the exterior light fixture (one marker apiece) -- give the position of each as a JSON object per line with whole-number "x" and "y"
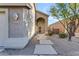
{"x": 15, "y": 16}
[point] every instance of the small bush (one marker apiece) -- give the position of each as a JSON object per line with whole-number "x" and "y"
{"x": 50, "y": 33}
{"x": 62, "y": 35}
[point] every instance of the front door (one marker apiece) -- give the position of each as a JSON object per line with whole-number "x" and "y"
{"x": 39, "y": 29}
{"x": 3, "y": 25}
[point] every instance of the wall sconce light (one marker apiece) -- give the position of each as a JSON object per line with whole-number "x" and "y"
{"x": 15, "y": 16}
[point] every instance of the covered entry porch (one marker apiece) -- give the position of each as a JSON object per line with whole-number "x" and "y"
{"x": 41, "y": 22}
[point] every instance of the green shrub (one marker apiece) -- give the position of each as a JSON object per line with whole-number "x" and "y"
{"x": 50, "y": 33}
{"x": 62, "y": 35}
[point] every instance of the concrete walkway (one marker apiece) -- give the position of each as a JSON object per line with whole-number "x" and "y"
{"x": 28, "y": 50}
{"x": 46, "y": 42}
{"x": 44, "y": 47}
{"x": 62, "y": 46}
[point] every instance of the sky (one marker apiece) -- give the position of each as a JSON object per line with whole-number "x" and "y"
{"x": 45, "y": 8}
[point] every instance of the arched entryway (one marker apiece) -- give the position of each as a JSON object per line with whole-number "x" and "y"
{"x": 40, "y": 25}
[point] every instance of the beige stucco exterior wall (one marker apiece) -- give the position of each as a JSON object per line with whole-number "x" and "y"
{"x": 45, "y": 18}
{"x": 77, "y": 30}
{"x": 60, "y": 27}
{"x": 57, "y": 25}
{"x": 18, "y": 31}
{"x": 32, "y": 12}
{"x": 40, "y": 23}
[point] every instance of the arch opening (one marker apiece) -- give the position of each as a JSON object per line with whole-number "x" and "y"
{"x": 40, "y": 25}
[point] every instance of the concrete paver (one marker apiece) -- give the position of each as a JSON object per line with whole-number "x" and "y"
{"x": 46, "y": 42}
{"x": 44, "y": 50}
{"x": 62, "y": 46}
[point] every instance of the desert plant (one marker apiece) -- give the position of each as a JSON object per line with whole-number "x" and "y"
{"x": 50, "y": 33}
{"x": 62, "y": 35}
{"x": 69, "y": 12}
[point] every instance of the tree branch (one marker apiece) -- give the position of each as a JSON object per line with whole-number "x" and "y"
{"x": 63, "y": 25}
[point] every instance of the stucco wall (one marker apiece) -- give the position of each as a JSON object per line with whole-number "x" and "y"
{"x": 18, "y": 31}
{"x": 45, "y": 17}
{"x": 33, "y": 19}
{"x": 60, "y": 26}
{"x": 57, "y": 25}
{"x": 30, "y": 20}
{"x": 40, "y": 23}
{"x": 19, "y": 28}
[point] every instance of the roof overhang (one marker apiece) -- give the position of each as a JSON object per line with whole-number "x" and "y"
{"x": 16, "y": 4}
{"x": 42, "y": 13}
